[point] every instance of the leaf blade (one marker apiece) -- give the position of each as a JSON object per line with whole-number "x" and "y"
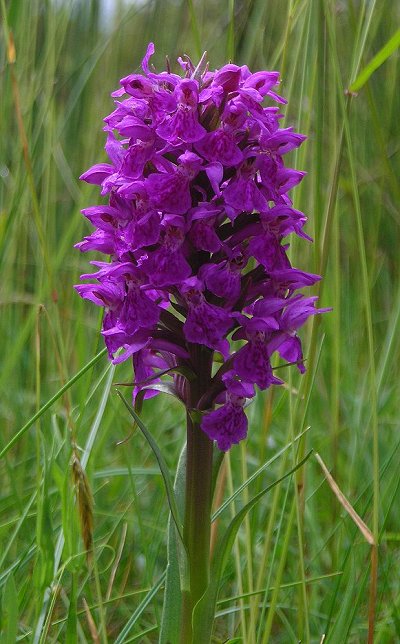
{"x": 383, "y": 54}
{"x": 162, "y": 465}
{"x": 51, "y": 402}
{"x": 10, "y": 611}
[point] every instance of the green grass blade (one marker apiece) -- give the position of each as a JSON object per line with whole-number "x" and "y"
{"x": 171, "y": 613}
{"x": 173, "y": 506}
{"x": 138, "y": 612}
{"x": 383, "y": 54}
{"x": 9, "y": 613}
{"x": 51, "y": 402}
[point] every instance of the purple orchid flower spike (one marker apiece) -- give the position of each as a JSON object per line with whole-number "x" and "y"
{"x": 197, "y": 214}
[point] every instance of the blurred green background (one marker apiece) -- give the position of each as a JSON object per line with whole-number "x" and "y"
{"x": 300, "y": 569}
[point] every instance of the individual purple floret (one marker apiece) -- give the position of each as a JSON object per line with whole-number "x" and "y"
{"x": 195, "y": 226}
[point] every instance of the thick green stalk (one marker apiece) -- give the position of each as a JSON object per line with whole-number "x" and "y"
{"x": 197, "y": 526}
{"x": 198, "y": 498}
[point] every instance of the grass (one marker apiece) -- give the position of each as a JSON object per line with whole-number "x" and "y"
{"x": 300, "y": 568}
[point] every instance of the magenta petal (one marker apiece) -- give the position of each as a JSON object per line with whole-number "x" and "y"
{"x": 136, "y": 158}
{"x": 242, "y": 195}
{"x": 171, "y": 347}
{"x": 97, "y": 173}
{"x": 204, "y": 237}
{"x": 145, "y": 231}
{"x": 290, "y": 350}
{"x": 165, "y": 267}
{"x": 181, "y": 127}
{"x": 228, "y": 77}
{"x": 298, "y": 311}
{"x": 288, "y": 178}
{"x": 169, "y": 192}
{"x": 100, "y": 240}
{"x": 222, "y": 281}
{"x": 215, "y": 173}
{"x": 137, "y": 311}
{"x": 101, "y": 294}
{"x": 284, "y": 141}
{"x": 104, "y": 217}
{"x": 220, "y": 146}
{"x": 207, "y": 324}
{"x": 252, "y": 363}
{"x": 262, "y": 82}
{"x": 134, "y": 128}
{"x": 149, "y": 52}
{"x": 268, "y": 251}
{"x": 135, "y": 344}
{"x": 144, "y": 362}
{"x": 226, "y": 425}
{"x": 114, "y": 150}
{"x": 137, "y": 85}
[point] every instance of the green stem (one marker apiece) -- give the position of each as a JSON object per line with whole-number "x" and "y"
{"x": 197, "y": 526}
{"x": 198, "y": 498}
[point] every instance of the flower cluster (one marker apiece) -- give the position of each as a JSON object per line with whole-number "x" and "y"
{"x": 197, "y": 212}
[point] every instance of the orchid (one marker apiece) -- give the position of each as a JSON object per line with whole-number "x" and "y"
{"x": 196, "y": 223}
{"x": 198, "y": 210}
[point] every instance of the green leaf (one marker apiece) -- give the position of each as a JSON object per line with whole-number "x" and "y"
{"x": 172, "y": 606}
{"x": 291, "y": 584}
{"x": 163, "y": 387}
{"x": 62, "y": 478}
{"x": 72, "y": 620}
{"x": 14, "y": 535}
{"x": 162, "y": 464}
{"x": 204, "y": 611}
{"x": 180, "y": 370}
{"x": 51, "y": 402}
{"x": 383, "y": 54}
{"x": 196, "y": 415}
{"x": 195, "y": 28}
{"x": 142, "y": 606}
{"x": 9, "y": 616}
{"x": 218, "y": 458}
{"x": 43, "y": 574}
{"x": 337, "y": 629}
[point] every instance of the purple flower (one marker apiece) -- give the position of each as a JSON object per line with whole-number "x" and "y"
{"x": 183, "y": 126}
{"x": 137, "y": 311}
{"x": 167, "y": 265}
{"x": 223, "y": 278}
{"x": 97, "y": 173}
{"x": 170, "y": 191}
{"x": 195, "y": 225}
{"x": 242, "y": 194}
{"x": 227, "y": 425}
{"x": 252, "y": 362}
{"x": 205, "y": 323}
{"x": 220, "y": 146}
{"x": 202, "y": 232}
